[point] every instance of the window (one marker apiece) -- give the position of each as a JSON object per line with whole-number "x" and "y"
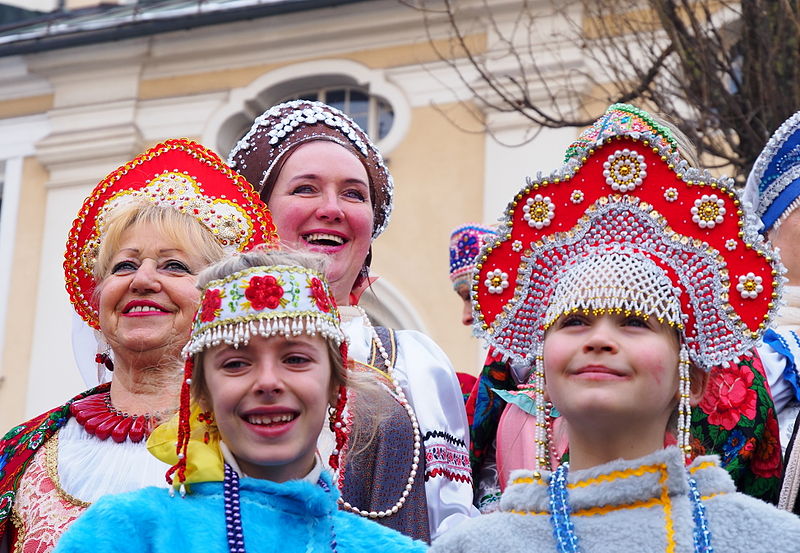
{"x": 371, "y": 113}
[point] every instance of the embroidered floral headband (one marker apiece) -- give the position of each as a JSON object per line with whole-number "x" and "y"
{"x": 629, "y": 195}
{"x": 773, "y": 187}
{"x": 264, "y": 301}
{"x": 465, "y": 245}
{"x": 178, "y": 174}
{"x": 277, "y": 131}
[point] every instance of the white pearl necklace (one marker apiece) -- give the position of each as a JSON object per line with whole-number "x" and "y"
{"x": 401, "y": 398}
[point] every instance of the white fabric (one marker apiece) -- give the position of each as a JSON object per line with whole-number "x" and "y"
{"x": 228, "y": 457}
{"x": 89, "y": 468}
{"x": 429, "y": 382}
{"x": 787, "y": 407}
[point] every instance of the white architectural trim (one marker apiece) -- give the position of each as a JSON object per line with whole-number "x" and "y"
{"x": 12, "y": 183}
{"x": 249, "y": 102}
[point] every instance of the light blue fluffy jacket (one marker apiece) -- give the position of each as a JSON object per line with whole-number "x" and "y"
{"x": 292, "y": 517}
{"x": 630, "y": 506}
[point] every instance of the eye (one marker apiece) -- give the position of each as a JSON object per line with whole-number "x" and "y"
{"x": 175, "y": 266}
{"x": 297, "y": 360}
{"x": 572, "y": 320}
{"x": 303, "y": 189}
{"x": 636, "y": 321}
{"x": 234, "y": 364}
{"x": 124, "y": 267}
{"x": 355, "y": 194}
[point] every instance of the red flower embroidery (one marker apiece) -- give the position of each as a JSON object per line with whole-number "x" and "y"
{"x": 264, "y": 292}
{"x": 766, "y": 461}
{"x": 212, "y": 302}
{"x": 729, "y": 396}
{"x": 319, "y": 295}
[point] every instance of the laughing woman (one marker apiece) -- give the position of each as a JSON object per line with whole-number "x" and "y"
{"x": 263, "y": 367}
{"x": 330, "y": 192}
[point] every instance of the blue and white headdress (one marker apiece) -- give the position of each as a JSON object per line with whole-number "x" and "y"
{"x": 773, "y": 187}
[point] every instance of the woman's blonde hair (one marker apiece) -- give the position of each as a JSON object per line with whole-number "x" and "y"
{"x": 183, "y": 229}
{"x": 366, "y": 389}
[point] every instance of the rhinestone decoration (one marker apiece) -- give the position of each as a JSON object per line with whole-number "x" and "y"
{"x": 670, "y": 194}
{"x": 750, "y": 286}
{"x": 496, "y": 281}
{"x": 539, "y": 211}
{"x": 708, "y": 211}
{"x": 625, "y": 170}
{"x": 516, "y": 246}
{"x": 730, "y": 245}
{"x": 576, "y": 197}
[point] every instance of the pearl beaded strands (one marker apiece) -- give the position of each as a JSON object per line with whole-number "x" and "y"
{"x": 401, "y": 398}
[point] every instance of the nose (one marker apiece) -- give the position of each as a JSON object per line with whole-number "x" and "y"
{"x": 329, "y": 208}
{"x": 466, "y": 314}
{"x": 146, "y": 278}
{"x": 601, "y": 337}
{"x": 268, "y": 380}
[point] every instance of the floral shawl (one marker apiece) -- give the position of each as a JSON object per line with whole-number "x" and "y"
{"x": 19, "y": 445}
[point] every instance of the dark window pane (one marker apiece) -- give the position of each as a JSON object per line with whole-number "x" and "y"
{"x": 336, "y": 98}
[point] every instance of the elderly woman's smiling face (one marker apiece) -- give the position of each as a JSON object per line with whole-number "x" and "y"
{"x": 148, "y": 300}
{"x": 321, "y": 203}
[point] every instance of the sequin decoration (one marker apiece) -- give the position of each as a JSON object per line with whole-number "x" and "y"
{"x": 496, "y": 281}
{"x": 625, "y": 170}
{"x": 750, "y": 286}
{"x": 539, "y": 211}
{"x": 708, "y": 211}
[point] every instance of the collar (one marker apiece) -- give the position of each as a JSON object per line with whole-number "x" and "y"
{"x": 312, "y": 477}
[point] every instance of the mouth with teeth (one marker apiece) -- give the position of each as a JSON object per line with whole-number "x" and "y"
{"x": 271, "y": 420}
{"x": 143, "y": 308}
{"x": 324, "y": 239}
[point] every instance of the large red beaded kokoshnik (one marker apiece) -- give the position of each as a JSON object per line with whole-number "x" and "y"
{"x": 177, "y": 173}
{"x": 629, "y": 193}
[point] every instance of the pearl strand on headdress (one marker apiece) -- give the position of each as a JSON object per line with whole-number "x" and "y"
{"x": 684, "y": 407}
{"x": 401, "y": 398}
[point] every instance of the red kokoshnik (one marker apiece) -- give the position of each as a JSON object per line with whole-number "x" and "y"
{"x": 632, "y": 195}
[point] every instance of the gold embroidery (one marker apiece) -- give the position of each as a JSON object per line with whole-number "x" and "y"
{"x": 51, "y": 462}
{"x": 611, "y": 476}
{"x": 665, "y": 499}
{"x": 17, "y": 522}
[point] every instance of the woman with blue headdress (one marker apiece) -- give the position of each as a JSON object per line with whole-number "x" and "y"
{"x": 773, "y": 193}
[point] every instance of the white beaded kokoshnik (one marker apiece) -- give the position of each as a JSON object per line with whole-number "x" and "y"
{"x": 401, "y": 398}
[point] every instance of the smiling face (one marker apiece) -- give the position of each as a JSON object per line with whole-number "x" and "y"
{"x": 147, "y": 301}
{"x": 321, "y": 203}
{"x": 612, "y": 369}
{"x": 270, "y": 400}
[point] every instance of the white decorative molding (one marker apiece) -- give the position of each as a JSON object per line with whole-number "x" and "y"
{"x": 247, "y": 103}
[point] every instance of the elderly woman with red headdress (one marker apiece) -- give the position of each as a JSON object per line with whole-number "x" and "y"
{"x": 132, "y": 258}
{"x": 330, "y": 192}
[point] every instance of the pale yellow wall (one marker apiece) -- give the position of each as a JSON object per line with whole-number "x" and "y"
{"x": 15, "y": 357}
{"x": 438, "y": 172}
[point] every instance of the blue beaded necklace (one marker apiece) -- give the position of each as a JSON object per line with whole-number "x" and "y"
{"x": 564, "y": 530}
{"x": 233, "y": 513}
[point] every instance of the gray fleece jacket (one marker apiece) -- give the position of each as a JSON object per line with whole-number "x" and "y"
{"x": 639, "y": 506}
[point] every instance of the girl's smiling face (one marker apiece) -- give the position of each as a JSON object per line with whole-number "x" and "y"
{"x": 612, "y": 369}
{"x": 270, "y": 400}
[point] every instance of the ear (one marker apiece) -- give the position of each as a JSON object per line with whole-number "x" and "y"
{"x": 698, "y": 382}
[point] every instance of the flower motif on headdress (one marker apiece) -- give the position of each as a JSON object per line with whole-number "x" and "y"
{"x": 671, "y": 194}
{"x": 750, "y": 286}
{"x": 576, "y": 197}
{"x": 319, "y": 294}
{"x": 468, "y": 246}
{"x": 625, "y": 170}
{"x": 496, "y": 281}
{"x": 516, "y": 245}
{"x": 708, "y": 211}
{"x": 539, "y": 211}
{"x": 211, "y": 305}
{"x": 730, "y": 244}
{"x": 265, "y": 292}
